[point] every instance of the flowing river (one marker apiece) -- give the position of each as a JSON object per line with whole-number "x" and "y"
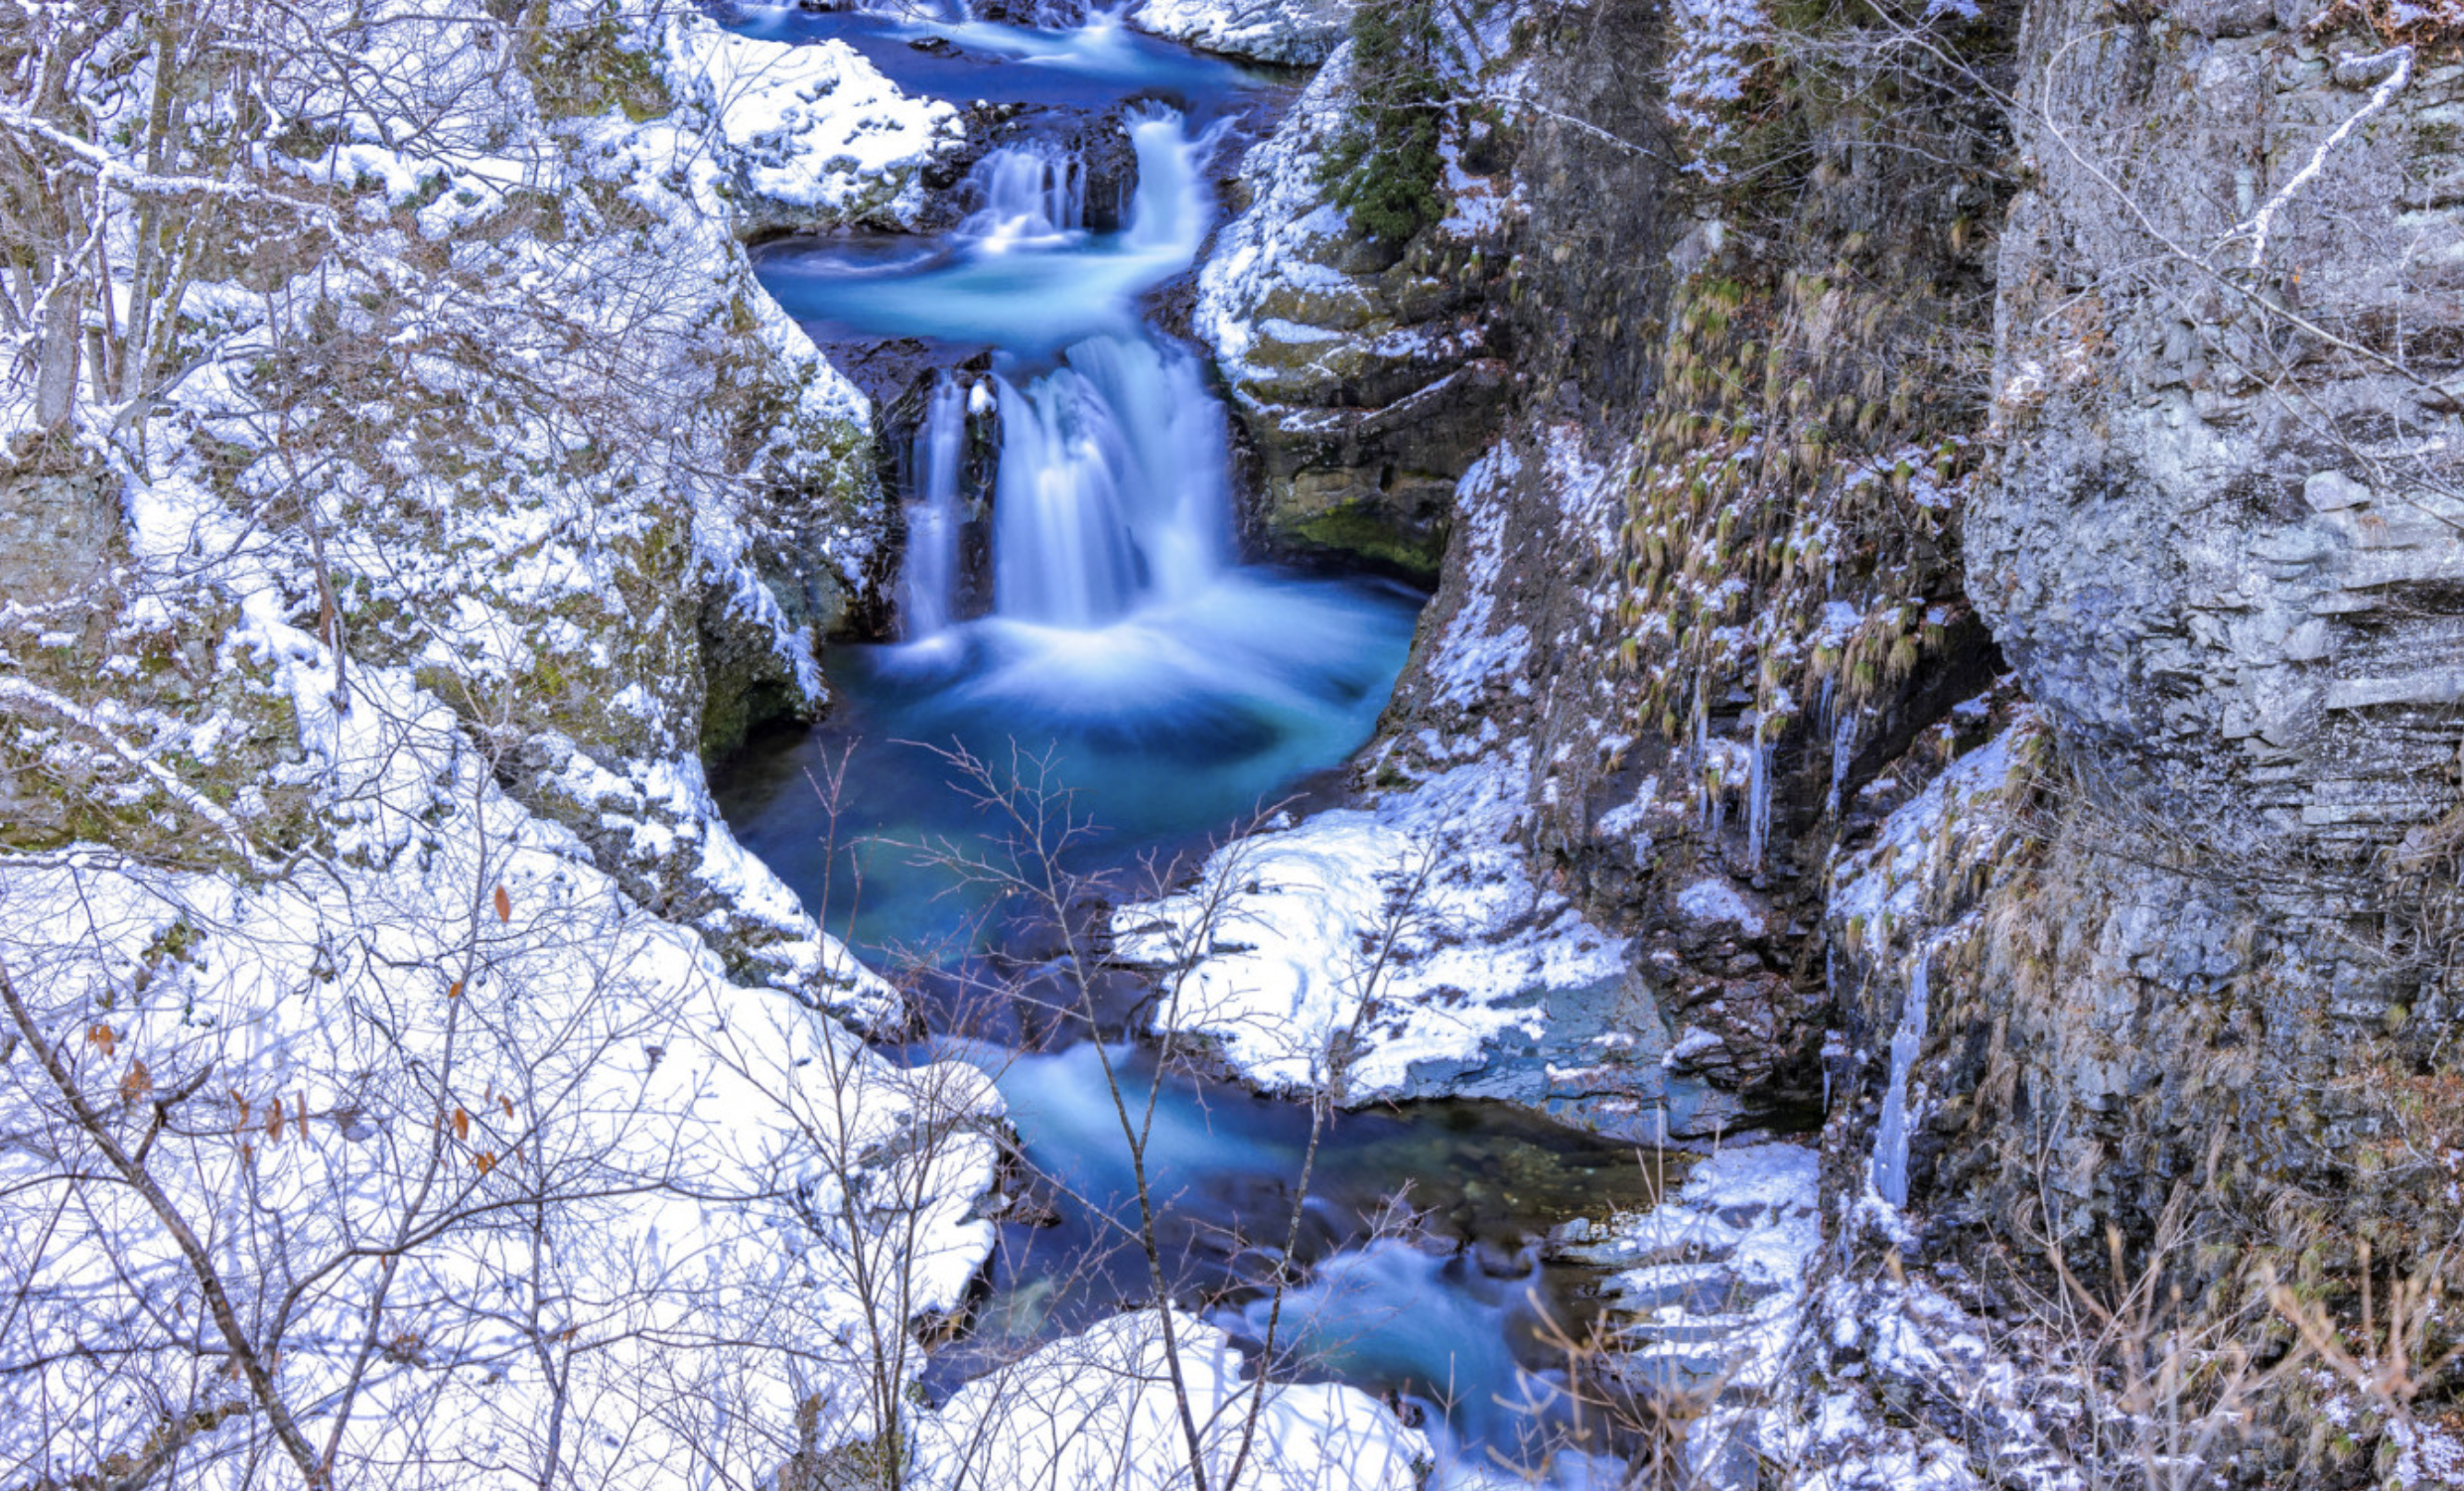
{"x": 1072, "y": 602}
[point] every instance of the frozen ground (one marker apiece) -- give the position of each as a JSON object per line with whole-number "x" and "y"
{"x": 1100, "y": 1410}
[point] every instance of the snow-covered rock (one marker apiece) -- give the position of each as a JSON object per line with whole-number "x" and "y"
{"x": 1294, "y": 33}
{"x": 1371, "y": 947}
{"x": 813, "y": 134}
{"x": 1370, "y": 382}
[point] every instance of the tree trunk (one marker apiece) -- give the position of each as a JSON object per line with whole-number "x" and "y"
{"x": 56, "y": 368}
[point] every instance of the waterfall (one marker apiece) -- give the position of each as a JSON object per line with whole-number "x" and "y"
{"x": 1111, "y": 490}
{"x": 929, "y": 583}
{"x": 1891, "y": 1144}
{"x": 1031, "y": 194}
{"x": 1171, "y": 207}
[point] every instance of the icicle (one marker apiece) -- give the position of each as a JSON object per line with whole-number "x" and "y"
{"x": 1890, "y": 1142}
{"x": 1842, "y": 751}
{"x": 1757, "y": 799}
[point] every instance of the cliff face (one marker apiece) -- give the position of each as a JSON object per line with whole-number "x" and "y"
{"x": 2204, "y": 995}
{"x": 2076, "y": 380}
{"x": 2222, "y": 528}
{"x": 1708, "y": 570}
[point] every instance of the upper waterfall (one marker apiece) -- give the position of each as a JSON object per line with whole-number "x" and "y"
{"x": 1015, "y": 276}
{"x": 1111, "y": 488}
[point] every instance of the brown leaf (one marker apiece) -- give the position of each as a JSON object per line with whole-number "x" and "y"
{"x": 505, "y": 905}
{"x": 103, "y": 1037}
{"x": 508, "y": 1106}
{"x": 137, "y": 1083}
{"x": 273, "y": 1121}
{"x": 484, "y": 1161}
{"x": 461, "y": 1122}
{"x": 454, "y": 990}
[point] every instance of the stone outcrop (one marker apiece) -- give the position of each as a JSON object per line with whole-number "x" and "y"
{"x": 1714, "y": 557}
{"x": 2224, "y": 537}
{"x": 1367, "y": 377}
{"x": 601, "y": 506}
{"x": 1293, "y": 33}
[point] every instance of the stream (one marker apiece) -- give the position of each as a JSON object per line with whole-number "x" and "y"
{"x": 1072, "y": 605}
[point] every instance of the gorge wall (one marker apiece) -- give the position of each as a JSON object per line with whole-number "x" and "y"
{"x": 1879, "y": 385}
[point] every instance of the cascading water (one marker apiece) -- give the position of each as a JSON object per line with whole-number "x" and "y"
{"x": 1111, "y": 488}
{"x": 1033, "y": 194}
{"x": 928, "y": 582}
{"x": 1128, "y": 659}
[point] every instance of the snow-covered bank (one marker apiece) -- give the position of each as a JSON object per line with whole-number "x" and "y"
{"x": 1357, "y": 944}
{"x": 362, "y": 889}
{"x": 439, "y": 487}
{"x": 809, "y": 134}
{"x": 1296, "y": 33}
{"x": 1101, "y": 1409}
{"x": 471, "y": 1142}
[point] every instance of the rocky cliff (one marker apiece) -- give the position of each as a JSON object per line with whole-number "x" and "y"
{"x": 520, "y": 425}
{"x": 1880, "y": 385}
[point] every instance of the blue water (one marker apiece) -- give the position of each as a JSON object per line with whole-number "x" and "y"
{"x": 1451, "y": 1314}
{"x": 1093, "y": 67}
{"x": 1183, "y": 720}
{"x": 1123, "y": 689}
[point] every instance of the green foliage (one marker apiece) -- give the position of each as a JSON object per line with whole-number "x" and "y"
{"x": 585, "y": 69}
{"x": 1384, "y": 167}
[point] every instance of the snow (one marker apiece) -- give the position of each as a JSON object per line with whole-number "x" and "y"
{"x": 1880, "y": 879}
{"x": 1475, "y": 653}
{"x": 1720, "y": 44}
{"x": 1713, "y": 899}
{"x": 1290, "y": 32}
{"x": 1740, "y": 1233}
{"x": 1278, "y": 266}
{"x": 661, "y": 1209}
{"x": 813, "y": 125}
{"x": 717, "y": 1172}
{"x": 1935, "y": 1364}
{"x": 1277, "y": 243}
{"x": 1358, "y": 942}
{"x": 1099, "y": 1411}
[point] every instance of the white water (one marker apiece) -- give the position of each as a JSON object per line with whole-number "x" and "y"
{"x": 1891, "y": 1145}
{"x": 929, "y": 583}
{"x": 1125, "y": 635}
{"x": 1028, "y": 296}
{"x": 1032, "y": 195}
{"x": 1112, "y": 486}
